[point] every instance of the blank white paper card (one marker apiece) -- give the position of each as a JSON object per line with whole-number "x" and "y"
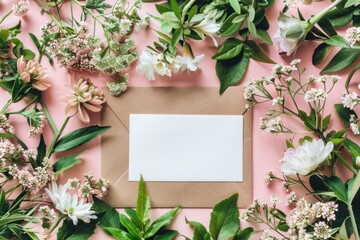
{"x": 186, "y": 148}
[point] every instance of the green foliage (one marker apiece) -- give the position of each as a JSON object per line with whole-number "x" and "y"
{"x": 136, "y": 225}
{"x": 81, "y": 231}
{"x": 66, "y": 163}
{"x": 79, "y": 137}
{"x": 224, "y": 223}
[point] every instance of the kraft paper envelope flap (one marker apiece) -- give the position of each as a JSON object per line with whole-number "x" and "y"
{"x": 168, "y": 100}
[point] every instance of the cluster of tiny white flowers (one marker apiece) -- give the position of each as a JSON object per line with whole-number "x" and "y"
{"x": 281, "y": 69}
{"x": 354, "y": 126}
{"x": 9, "y": 151}
{"x": 39, "y": 128}
{"x": 305, "y": 214}
{"x": 30, "y": 154}
{"x": 326, "y": 78}
{"x": 352, "y": 35}
{"x": 33, "y": 180}
{"x": 290, "y": 198}
{"x": 74, "y": 183}
{"x": 47, "y": 213}
{"x": 274, "y": 200}
{"x": 349, "y": 100}
{"x": 271, "y": 125}
{"x": 256, "y": 204}
{"x": 278, "y": 100}
{"x": 21, "y": 8}
{"x": 74, "y": 52}
{"x": 322, "y": 230}
{"x": 268, "y": 235}
{"x": 143, "y": 24}
{"x": 269, "y": 177}
{"x": 291, "y": 3}
{"x": 5, "y": 125}
{"x": 315, "y": 94}
{"x": 89, "y": 186}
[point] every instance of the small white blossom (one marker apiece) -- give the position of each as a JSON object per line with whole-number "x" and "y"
{"x": 315, "y": 94}
{"x": 5, "y": 125}
{"x": 322, "y": 230}
{"x": 290, "y": 198}
{"x": 269, "y": 177}
{"x": 21, "y": 8}
{"x": 352, "y": 35}
{"x": 274, "y": 200}
{"x": 47, "y": 213}
{"x": 278, "y": 100}
{"x": 355, "y": 128}
{"x": 150, "y": 63}
{"x": 349, "y": 100}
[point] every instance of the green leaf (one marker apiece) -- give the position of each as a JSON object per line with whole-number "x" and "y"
{"x": 162, "y": 222}
{"x": 229, "y": 28}
{"x": 18, "y": 200}
{"x": 143, "y": 204}
{"x": 199, "y": 230}
{"x": 244, "y": 234}
{"x": 320, "y": 53}
{"x": 327, "y": 27}
{"x": 344, "y": 113}
{"x": 166, "y": 235}
{"x": 264, "y": 36}
{"x": 230, "y": 49}
{"x": 66, "y": 163}
{"x": 353, "y": 148}
{"x": 351, "y": 74}
{"x": 109, "y": 217}
{"x": 257, "y": 53}
{"x": 41, "y": 151}
{"x": 120, "y": 234}
{"x": 79, "y": 137}
{"x": 12, "y": 218}
{"x": 81, "y": 231}
{"x": 35, "y": 40}
{"x": 130, "y": 226}
{"x": 224, "y": 222}
{"x": 28, "y": 54}
{"x": 252, "y": 28}
{"x": 230, "y": 72}
{"x": 343, "y": 59}
{"x": 235, "y": 5}
{"x": 353, "y": 188}
{"x": 175, "y": 8}
{"x": 134, "y": 218}
{"x": 177, "y": 36}
{"x": 338, "y": 187}
{"x": 337, "y": 41}
{"x": 340, "y": 17}
{"x": 350, "y": 3}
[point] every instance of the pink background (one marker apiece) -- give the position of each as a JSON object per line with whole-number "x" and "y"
{"x": 267, "y": 149}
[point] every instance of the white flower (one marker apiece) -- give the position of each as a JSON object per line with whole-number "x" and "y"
{"x": 315, "y": 94}
{"x": 322, "y": 230}
{"x": 274, "y": 200}
{"x": 208, "y": 27}
{"x": 355, "y": 128}
{"x": 186, "y": 63}
{"x": 151, "y": 63}
{"x": 358, "y": 161}
{"x": 21, "y": 8}
{"x": 349, "y": 100}
{"x": 278, "y": 100}
{"x": 305, "y": 158}
{"x": 69, "y": 205}
{"x": 125, "y": 26}
{"x": 290, "y": 198}
{"x": 352, "y": 35}
{"x": 291, "y": 34}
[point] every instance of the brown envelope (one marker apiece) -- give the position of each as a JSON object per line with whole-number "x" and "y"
{"x": 164, "y": 100}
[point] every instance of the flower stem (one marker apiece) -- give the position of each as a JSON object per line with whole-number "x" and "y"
{"x": 5, "y": 16}
{"x": 3, "y": 110}
{"x": 351, "y": 168}
{"x": 313, "y": 20}
{"x": 56, "y": 138}
{"x": 56, "y": 224}
{"x": 353, "y": 222}
{"x": 49, "y": 118}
